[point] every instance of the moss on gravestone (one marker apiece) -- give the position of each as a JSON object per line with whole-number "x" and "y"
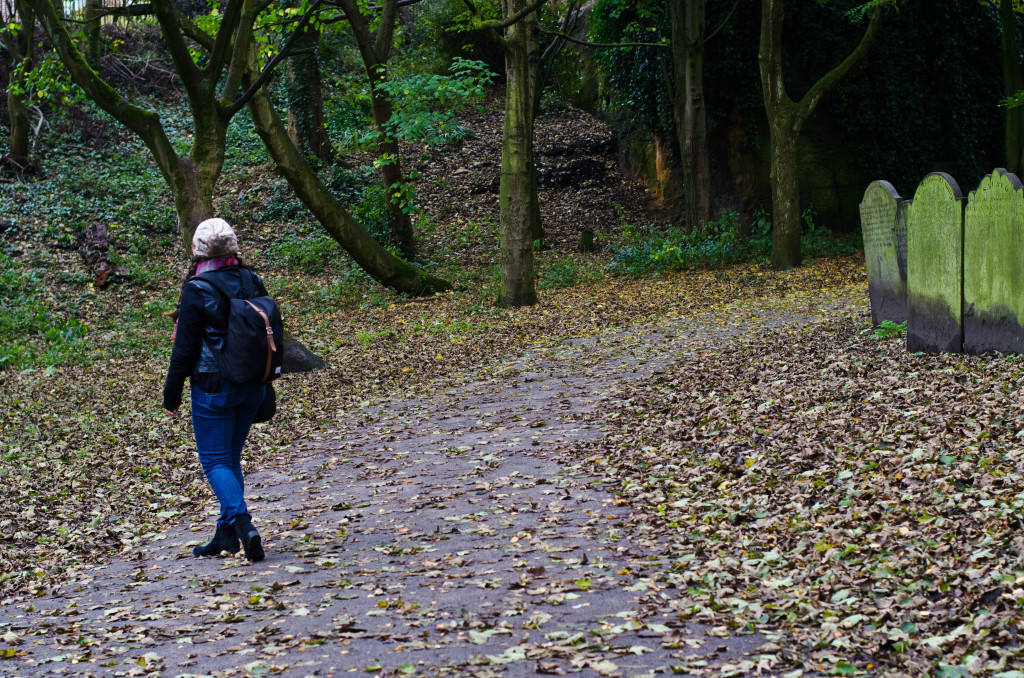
{"x": 993, "y": 267}
{"x": 886, "y": 287}
{"x": 935, "y": 233}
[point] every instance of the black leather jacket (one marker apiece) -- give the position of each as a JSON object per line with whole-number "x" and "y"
{"x": 202, "y": 320}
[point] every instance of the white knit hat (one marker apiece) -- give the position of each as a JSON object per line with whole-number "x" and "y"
{"x": 214, "y": 238}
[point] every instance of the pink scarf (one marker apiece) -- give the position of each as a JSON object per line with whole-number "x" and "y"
{"x": 208, "y": 265}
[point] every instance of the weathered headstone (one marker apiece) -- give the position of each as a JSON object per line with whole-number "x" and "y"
{"x": 935, "y": 252}
{"x": 902, "y": 210}
{"x": 993, "y": 267}
{"x": 886, "y": 287}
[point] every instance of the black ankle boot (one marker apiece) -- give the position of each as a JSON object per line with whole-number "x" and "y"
{"x": 224, "y": 540}
{"x": 249, "y": 536}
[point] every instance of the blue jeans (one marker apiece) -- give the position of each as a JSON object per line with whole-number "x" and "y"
{"x": 221, "y": 422}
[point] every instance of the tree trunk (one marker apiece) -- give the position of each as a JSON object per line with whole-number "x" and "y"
{"x": 520, "y": 208}
{"x": 91, "y": 27}
{"x": 399, "y": 221}
{"x": 785, "y": 194}
{"x": 19, "y": 49}
{"x": 785, "y": 120}
{"x": 306, "y": 98}
{"x": 688, "y": 21}
{"x": 1014, "y": 82}
{"x": 193, "y": 199}
{"x": 193, "y": 179}
{"x": 375, "y": 54}
{"x": 379, "y": 263}
{"x": 21, "y": 128}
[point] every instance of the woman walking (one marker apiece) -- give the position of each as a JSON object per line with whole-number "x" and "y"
{"x": 222, "y": 411}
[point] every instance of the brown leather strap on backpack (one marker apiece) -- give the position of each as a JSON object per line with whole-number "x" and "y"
{"x": 271, "y": 346}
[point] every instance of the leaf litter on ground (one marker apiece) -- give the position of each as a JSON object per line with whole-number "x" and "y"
{"x": 859, "y": 504}
{"x": 91, "y": 465}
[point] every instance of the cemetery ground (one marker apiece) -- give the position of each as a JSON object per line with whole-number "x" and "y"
{"x": 722, "y": 472}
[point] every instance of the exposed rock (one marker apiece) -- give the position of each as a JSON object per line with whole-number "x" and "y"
{"x": 298, "y": 358}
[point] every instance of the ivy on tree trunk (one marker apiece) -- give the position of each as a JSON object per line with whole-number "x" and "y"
{"x": 304, "y": 84}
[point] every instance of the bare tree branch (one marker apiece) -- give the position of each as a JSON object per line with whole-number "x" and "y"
{"x": 603, "y": 45}
{"x": 508, "y": 21}
{"x": 175, "y": 41}
{"x": 268, "y": 70}
{"x": 127, "y": 11}
{"x": 720, "y": 26}
{"x": 222, "y": 43}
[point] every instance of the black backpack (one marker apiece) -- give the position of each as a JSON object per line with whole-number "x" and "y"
{"x": 254, "y": 344}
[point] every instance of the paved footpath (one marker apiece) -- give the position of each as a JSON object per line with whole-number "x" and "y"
{"x": 455, "y": 535}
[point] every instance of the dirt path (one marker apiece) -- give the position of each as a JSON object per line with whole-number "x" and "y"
{"x": 457, "y": 535}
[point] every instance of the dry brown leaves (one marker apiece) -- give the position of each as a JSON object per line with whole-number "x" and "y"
{"x": 91, "y": 465}
{"x": 859, "y": 504}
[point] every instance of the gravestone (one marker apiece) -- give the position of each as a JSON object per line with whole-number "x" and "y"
{"x": 935, "y": 252}
{"x": 886, "y": 286}
{"x": 902, "y": 210}
{"x": 993, "y": 268}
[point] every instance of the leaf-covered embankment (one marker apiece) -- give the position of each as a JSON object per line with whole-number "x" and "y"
{"x": 861, "y": 502}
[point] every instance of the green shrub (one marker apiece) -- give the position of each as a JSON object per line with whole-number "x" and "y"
{"x": 653, "y": 253}
{"x": 347, "y": 185}
{"x": 282, "y": 205}
{"x": 347, "y": 113}
{"x": 820, "y": 242}
{"x": 722, "y": 243}
{"x": 887, "y": 329}
{"x": 425, "y": 104}
{"x": 371, "y": 211}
